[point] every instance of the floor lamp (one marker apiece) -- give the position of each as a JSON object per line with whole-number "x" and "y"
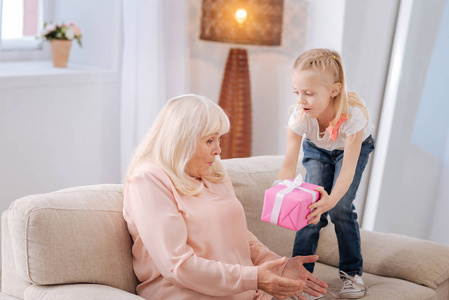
{"x": 251, "y": 22}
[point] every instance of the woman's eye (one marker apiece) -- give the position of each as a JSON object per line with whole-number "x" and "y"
{"x": 295, "y": 92}
{"x": 210, "y": 141}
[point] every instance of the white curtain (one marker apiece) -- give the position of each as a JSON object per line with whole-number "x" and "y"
{"x": 154, "y": 65}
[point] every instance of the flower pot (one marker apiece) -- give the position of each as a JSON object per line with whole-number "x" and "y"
{"x": 60, "y": 50}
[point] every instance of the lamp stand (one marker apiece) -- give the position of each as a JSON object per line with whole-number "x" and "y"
{"x": 235, "y": 99}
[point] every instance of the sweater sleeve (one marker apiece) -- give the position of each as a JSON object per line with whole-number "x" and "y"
{"x": 259, "y": 252}
{"x": 150, "y": 201}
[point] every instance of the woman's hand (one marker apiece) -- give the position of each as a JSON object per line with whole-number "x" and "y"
{"x": 275, "y": 285}
{"x": 318, "y": 208}
{"x": 294, "y": 269}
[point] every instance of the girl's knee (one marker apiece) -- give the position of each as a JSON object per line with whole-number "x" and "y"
{"x": 342, "y": 212}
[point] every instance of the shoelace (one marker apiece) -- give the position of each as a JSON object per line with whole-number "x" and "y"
{"x": 350, "y": 282}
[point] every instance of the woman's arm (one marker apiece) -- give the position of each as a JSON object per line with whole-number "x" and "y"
{"x": 274, "y": 267}
{"x": 288, "y": 169}
{"x": 150, "y": 203}
{"x": 292, "y": 269}
{"x": 351, "y": 155}
{"x": 259, "y": 252}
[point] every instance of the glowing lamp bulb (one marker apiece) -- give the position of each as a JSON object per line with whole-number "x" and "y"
{"x": 240, "y": 16}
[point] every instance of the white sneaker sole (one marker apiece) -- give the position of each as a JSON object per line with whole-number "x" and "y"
{"x": 357, "y": 295}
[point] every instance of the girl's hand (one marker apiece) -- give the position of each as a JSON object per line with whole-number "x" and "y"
{"x": 275, "y": 285}
{"x": 320, "y": 207}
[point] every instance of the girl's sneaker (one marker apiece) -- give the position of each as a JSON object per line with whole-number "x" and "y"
{"x": 353, "y": 286}
{"x": 310, "y": 297}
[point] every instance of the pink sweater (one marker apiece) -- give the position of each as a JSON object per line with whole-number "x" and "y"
{"x": 190, "y": 247}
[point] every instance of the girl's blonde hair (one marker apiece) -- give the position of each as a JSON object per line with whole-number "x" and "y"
{"x": 172, "y": 139}
{"x": 329, "y": 62}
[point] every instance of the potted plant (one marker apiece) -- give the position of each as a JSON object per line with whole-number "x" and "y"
{"x": 60, "y": 37}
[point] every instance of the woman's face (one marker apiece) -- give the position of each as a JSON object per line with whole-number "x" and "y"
{"x": 206, "y": 149}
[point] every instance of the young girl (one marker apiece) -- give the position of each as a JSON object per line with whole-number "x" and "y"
{"x": 336, "y": 149}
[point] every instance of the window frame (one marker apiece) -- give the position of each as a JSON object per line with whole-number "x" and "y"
{"x": 25, "y": 48}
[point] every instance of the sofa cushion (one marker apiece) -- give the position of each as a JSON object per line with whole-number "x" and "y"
{"x": 250, "y": 178}
{"x": 77, "y": 292}
{"x": 4, "y": 296}
{"x": 385, "y": 255}
{"x": 71, "y": 236}
{"x": 379, "y": 288}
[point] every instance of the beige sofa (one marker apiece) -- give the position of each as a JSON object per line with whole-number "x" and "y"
{"x": 74, "y": 244}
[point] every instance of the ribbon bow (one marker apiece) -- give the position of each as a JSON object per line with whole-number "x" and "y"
{"x": 290, "y": 186}
{"x": 333, "y": 130}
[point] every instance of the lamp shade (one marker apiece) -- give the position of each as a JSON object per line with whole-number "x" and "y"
{"x": 255, "y": 22}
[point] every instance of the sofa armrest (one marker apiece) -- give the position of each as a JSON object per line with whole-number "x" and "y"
{"x": 77, "y": 292}
{"x": 71, "y": 236}
{"x": 393, "y": 255}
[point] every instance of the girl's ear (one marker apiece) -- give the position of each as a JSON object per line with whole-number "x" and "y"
{"x": 336, "y": 88}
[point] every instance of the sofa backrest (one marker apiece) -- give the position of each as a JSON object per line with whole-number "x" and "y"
{"x": 250, "y": 177}
{"x": 71, "y": 236}
{"x": 79, "y": 234}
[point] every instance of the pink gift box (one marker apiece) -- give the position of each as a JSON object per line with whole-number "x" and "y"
{"x": 286, "y": 204}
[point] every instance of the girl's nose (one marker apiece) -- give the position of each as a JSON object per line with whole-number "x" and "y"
{"x": 300, "y": 100}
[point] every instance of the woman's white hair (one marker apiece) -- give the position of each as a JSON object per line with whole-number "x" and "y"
{"x": 172, "y": 139}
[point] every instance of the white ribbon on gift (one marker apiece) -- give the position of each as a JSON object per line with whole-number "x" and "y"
{"x": 291, "y": 185}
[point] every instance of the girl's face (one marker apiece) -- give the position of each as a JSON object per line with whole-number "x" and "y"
{"x": 314, "y": 93}
{"x": 206, "y": 149}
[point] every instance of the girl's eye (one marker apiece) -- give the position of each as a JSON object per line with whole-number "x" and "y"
{"x": 210, "y": 141}
{"x": 295, "y": 92}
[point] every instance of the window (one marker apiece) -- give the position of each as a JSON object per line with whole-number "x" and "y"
{"x": 21, "y": 22}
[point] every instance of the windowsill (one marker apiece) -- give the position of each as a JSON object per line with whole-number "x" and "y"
{"x": 26, "y": 74}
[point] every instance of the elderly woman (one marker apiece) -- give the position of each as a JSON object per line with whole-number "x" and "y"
{"x": 189, "y": 229}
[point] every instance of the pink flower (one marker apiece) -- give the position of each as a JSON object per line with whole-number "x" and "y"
{"x": 76, "y": 29}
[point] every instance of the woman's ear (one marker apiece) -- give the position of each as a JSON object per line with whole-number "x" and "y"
{"x": 336, "y": 88}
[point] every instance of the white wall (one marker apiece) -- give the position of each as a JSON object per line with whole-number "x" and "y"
{"x": 361, "y": 30}
{"x": 307, "y": 24}
{"x": 432, "y": 116}
{"x": 406, "y": 171}
{"x": 440, "y": 221}
{"x": 366, "y": 47}
{"x": 56, "y": 137}
{"x": 60, "y": 128}
{"x": 100, "y": 22}
{"x": 67, "y": 133}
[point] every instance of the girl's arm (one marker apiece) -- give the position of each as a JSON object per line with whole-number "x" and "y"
{"x": 288, "y": 169}
{"x": 351, "y": 154}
